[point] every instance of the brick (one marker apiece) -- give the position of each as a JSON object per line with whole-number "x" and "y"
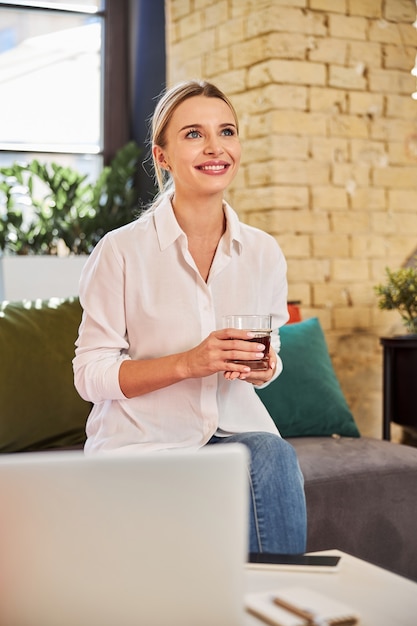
{"x": 230, "y": 32}
{"x": 394, "y": 223}
{"x": 328, "y": 294}
{"x": 231, "y": 82}
{"x": 247, "y": 7}
{"x": 290, "y": 20}
{"x": 295, "y": 245}
{"x": 216, "y": 61}
{"x": 328, "y": 100}
{"x": 212, "y": 12}
{"x": 369, "y": 199}
{"x": 347, "y": 27}
{"x": 331, "y": 245}
{"x": 309, "y": 269}
{"x": 282, "y": 147}
{"x": 331, "y": 150}
{"x": 366, "y": 103}
{"x": 336, "y": 294}
{"x": 351, "y": 222}
{"x": 365, "y": 53}
{"x": 347, "y": 77}
{"x": 300, "y": 291}
{"x": 351, "y": 176}
{"x": 202, "y": 4}
{"x": 246, "y": 53}
{"x": 290, "y": 221}
{"x": 350, "y": 269}
{"x": 401, "y": 106}
{"x": 379, "y": 266}
{"x": 193, "y": 47}
{"x": 369, "y": 246}
{"x": 391, "y": 81}
{"x": 184, "y": 69}
{"x": 348, "y": 126}
{"x": 402, "y": 199}
{"x": 372, "y": 152}
{"x": 401, "y": 58}
{"x": 286, "y": 45}
{"x": 335, "y": 6}
{"x": 327, "y": 197}
{"x": 366, "y": 8}
{"x": 288, "y": 172}
{"x": 400, "y": 10}
{"x": 281, "y": 71}
{"x": 395, "y": 177}
{"x": 270, "y": 97}
{"x": 389, "y": 129}
{"x": 190, "y": 25}
{"x": 403, "y": 152}
{"x": 272, "y": 198}
{"x": 402, "y": 246}
{"x": 299, "y": 123}
{"x": 178, "y": 8}
{"x": 323, "y": 315}
{"x": 411, "y": 147}
{"x": 384, "y": 32}
{"x": 408, "y": 34}
{"x": 328, "y": 50}
{"x": 351, "y": 317}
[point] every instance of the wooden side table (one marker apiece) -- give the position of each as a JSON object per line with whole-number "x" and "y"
{"x": 399, "y": 382}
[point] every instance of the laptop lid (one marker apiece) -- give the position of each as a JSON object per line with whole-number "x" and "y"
{"x": 149, "y": 540}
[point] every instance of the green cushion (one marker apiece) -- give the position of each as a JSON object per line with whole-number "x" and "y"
{"x": 39, "y": 406}
{"x": 306, "y": 399}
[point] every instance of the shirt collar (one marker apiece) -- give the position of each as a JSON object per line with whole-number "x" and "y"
{"x": 168, "y": 229}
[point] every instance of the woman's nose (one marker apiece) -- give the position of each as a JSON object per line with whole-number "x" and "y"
{"x": 213, "y": 146}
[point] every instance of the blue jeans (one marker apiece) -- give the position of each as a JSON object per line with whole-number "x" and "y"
{"x": 278, "y": 521}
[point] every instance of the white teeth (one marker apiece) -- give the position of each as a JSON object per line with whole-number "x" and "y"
{"x": 213, "y": 167}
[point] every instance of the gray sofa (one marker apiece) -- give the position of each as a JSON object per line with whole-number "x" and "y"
{"x": 361, "y": 493}
{"x": 362, "y": 498}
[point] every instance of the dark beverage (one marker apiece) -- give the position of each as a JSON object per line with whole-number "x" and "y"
{"x": 258, "y": 364}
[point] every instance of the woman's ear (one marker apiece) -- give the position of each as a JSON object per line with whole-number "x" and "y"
{"x": 159, "y": 157}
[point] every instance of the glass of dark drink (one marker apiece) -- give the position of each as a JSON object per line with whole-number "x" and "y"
{"x": 260, "y": 325}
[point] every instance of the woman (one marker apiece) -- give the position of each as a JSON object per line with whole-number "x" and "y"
{"x": 151, "y": 354}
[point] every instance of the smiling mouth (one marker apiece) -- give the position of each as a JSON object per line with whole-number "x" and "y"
{"x": 213, "y": 168}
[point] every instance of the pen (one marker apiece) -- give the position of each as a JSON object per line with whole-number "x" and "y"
{"x": 313, "y": 619}
{"x": 308, "y": 616}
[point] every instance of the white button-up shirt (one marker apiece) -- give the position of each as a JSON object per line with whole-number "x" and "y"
{"x": 143, "y": 297}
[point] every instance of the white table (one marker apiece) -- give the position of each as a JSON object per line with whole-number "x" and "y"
{"x": 380, "y": 597}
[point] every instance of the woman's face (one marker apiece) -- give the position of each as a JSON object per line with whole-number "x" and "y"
{"x": 202, "y": 149}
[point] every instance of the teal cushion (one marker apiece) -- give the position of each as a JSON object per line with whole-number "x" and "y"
{"x": 306, "y": 399}
{"x": 39, "y": 406}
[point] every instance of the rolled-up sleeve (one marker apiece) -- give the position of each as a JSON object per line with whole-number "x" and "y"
{"x": 102, "y": 342}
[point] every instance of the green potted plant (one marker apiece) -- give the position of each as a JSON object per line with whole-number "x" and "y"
{"x": 44, "y": 204}
{"x": 50, "y": 212}
{"x": 399, "y": 292}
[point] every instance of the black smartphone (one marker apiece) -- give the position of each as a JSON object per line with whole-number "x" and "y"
{"x": 317, "y": 562}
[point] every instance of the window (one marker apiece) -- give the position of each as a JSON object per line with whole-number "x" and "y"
{"x": 56, "y": 79}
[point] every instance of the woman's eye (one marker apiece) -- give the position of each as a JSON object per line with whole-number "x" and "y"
{"x": 194, "y": 134}
{"x": 229, "y": 132}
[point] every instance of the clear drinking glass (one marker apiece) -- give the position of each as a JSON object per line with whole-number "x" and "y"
{"x": 260, "y": 325}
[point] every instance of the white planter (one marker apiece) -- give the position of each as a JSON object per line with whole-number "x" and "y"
{"x": 32, "y": 277}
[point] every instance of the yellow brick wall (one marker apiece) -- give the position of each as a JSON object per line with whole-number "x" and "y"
{"x": 329, "y": 133}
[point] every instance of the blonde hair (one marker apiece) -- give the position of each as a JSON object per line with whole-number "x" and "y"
{"x": 164, "y": 110}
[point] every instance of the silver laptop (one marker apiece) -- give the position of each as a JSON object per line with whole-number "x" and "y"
{"x": 159, "y": 539}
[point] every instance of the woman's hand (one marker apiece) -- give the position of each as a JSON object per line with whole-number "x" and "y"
{"x": 213, "y": 355}
{"x": 256, "y": 377}
{"x": 218, "y": 351}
